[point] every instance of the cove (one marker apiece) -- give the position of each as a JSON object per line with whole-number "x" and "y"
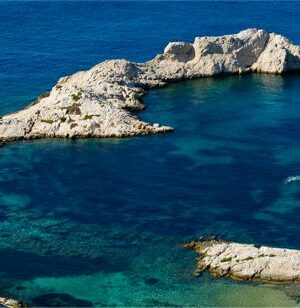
{"x": 104, "y": 225}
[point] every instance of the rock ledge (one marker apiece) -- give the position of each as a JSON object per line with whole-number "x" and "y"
{"x": 247, "y": 262}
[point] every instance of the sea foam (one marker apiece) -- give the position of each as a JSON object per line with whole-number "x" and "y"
{"x": 292, "y": 179}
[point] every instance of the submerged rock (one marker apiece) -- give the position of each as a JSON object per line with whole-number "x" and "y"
{"x": 100, "y": 102}
{"x": 246, "y": 261}
{"x": 60, "y": 300}
{"x": 151, "y": 281}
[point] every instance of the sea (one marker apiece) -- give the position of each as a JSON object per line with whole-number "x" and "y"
{"x": 101, "y": 222}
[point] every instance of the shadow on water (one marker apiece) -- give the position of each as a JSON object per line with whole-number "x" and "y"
{"x": 24, "y": 266}
{"x": 59, "y": 300}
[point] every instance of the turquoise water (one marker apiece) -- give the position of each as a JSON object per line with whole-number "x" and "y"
{"x": 101, "y": 222}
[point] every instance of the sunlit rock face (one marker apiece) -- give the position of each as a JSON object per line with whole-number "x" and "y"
{"x": 99, "y": 102}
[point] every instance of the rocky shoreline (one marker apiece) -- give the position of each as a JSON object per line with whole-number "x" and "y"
{"x": 246, "y": 261}
{"x": 10, "y": 303}
{"x": 100, "y": 102}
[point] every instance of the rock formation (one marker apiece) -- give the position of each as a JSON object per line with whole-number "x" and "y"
{"x": 10, "y": 303}
{"x": 247, "y": 262}
{"x": 100, "y": 102}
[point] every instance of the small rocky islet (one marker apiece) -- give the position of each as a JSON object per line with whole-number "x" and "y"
{"x": 246, "y": 261}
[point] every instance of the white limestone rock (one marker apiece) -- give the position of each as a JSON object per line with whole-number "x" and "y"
{"x": 245, "y": 261}
{"x": 178, "y": 48}
{"x": 100, "y": 102}
{"x": 279, "y": 56}
{"x": 10, "y": 303}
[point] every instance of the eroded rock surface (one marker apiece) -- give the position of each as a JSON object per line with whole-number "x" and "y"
{"x": 100, "y": 102}
{"x": 245, "y": 262}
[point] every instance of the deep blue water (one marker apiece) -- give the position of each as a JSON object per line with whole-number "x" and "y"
{"x": 101, "y": 222}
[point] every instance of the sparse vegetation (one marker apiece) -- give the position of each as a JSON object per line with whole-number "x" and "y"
{"x": 88, "y": 117}
{"x": 63, "y": 119}
{"x": 44, "y": 95}
{"x": 247, "y": 259}
{"x": 58, "y": 87}
{"x": 37, "y": 100}
{"x": 73, "y": 125}
{"x": 201, "y": 267}
{"x": 47, "y": 121}
{"x": 76, "y": 97}
{"x": 226, "y": 260}
{"x": 73, "y": 109}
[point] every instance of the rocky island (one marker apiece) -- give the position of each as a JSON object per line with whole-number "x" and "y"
{"x": 100, "y": 102}
{"x": 246, "y": 261}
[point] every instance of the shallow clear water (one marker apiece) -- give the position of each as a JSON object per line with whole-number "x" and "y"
{"x": 101, "y": 222}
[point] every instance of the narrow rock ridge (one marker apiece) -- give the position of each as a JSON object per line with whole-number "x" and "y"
{"x": 100, "y": 102}
{"x": 247, "y": 262}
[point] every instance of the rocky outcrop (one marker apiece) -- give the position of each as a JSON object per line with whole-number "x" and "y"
{"x": 279, "y": 56}
{"x": 247, "y": 262}
{"x": 10, "y": 303}
{"x": 100, "y": 102}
